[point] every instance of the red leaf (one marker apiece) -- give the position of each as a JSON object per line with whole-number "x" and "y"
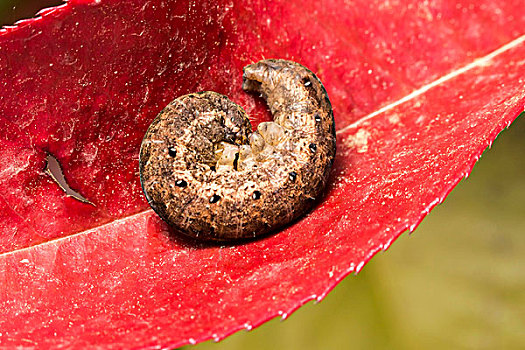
{"x": 84, "y": 81}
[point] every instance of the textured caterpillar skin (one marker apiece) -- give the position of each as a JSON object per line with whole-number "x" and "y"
{"x": 205, "y": 173}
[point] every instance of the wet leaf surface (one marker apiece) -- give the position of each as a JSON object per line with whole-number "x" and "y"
{"x": 84, "y": 81}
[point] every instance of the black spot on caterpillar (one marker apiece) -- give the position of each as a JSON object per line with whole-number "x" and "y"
{"x": 207, "y": 174}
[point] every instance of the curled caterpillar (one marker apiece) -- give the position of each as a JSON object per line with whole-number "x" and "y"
{"x": 207, "y": 174}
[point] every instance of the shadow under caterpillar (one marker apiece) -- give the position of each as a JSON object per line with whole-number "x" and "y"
{"x": 207, "y": 174}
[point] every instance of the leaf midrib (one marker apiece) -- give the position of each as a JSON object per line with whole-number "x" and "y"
{"x": 478, "y": 62}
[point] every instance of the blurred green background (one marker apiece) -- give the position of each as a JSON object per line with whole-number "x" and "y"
{"x": 458, "y": 282}
{"x": 13, "y": 10}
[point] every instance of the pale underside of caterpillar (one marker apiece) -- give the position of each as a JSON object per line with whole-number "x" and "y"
{"x": 208, "y": 175}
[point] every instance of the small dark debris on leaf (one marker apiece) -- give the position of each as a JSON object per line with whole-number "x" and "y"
{"x": 54, "y": 170}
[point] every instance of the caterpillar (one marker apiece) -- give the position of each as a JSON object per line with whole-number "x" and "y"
{"x": 205, "y": 172}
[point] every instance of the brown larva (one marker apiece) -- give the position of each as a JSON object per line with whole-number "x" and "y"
{"x": 207, "y": 174}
